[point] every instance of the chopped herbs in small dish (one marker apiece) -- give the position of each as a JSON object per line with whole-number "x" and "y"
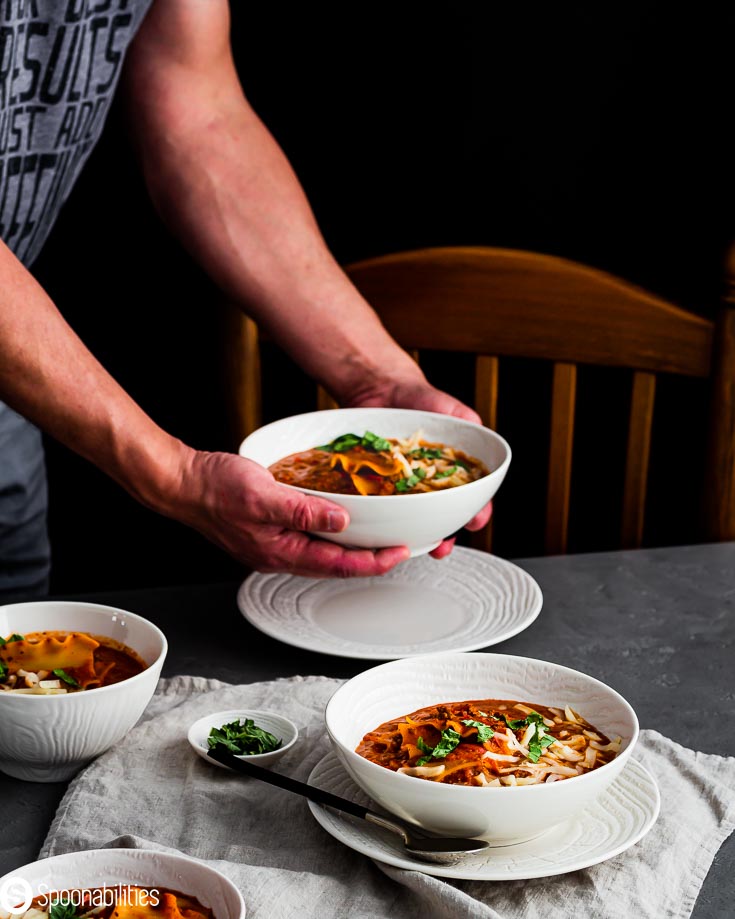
{"x": 243, "y": 738}
{"x": 258, "y": 735}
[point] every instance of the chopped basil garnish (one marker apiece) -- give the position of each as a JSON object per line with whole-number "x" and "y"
{"x": 533, "y": 718}
{"x": 243, "y": 738}
{"x": 63, "y": 675}
{"x": 346, "y": 442}
{"x": 538, "y": 743}
{"x": 446, "y": 473}
{"x": 3, "y": 671}
{"x": 341, "y": 444}
{"x": 62, "y": 909}
{"x": 427, "y": 452}
{"x": 13, "y": 637}
{"x": 373, "y": 442}
{"x": 449, "y": 740}
{"x": 484, "y": 731}
{"x": 413, "y": 479}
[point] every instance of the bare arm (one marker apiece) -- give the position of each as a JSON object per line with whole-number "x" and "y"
{"x": 48, "y": 375}
{"x": 225, "y": 187}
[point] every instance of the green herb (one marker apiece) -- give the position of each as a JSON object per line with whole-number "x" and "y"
{"x": 346, "y": 442}
{"x": 413, "y": 479}
{"x": 449, "y": 740}
{"x": 373, "y": 442}
{"x": 13, "y": 637}
{"x": 518, "y": 723}
{"x": 427, "y": 452}
{"x": 446, "y": 473}
{"x": 537, "y": 745}
{"x": 62, "y": 909}
{"x": 243, "y": 738}
{"x": 484, "y": 731}
{"x": 63, "y": 675}
{"x": 341, "y": 444}
{"x": 3, "y": 671}
{"x": 462, "y": 463}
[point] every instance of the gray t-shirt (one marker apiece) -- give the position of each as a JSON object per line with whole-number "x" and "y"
{"x": 60, "y": 61}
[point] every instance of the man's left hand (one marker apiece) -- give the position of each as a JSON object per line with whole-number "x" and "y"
{"x": 419, "y": 394}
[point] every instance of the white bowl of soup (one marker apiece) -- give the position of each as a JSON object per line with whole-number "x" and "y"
{"x": 405, "y": 477}
{"x": 141, "y": 883}
{"x": 435, "y": 746}
{"x": 74, "y": 678}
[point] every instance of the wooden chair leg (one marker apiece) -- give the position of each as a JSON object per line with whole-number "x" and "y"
{"x": 563, "y": 398}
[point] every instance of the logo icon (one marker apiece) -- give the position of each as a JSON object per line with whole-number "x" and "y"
{"x": 15, "y": 895}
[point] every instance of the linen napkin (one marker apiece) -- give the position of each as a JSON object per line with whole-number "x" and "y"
{"x": 152, "y": 791}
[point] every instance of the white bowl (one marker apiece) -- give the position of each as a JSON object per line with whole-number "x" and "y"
{"x": 503, "y": 815}
{"x": 420, "y": 521}
{"x": 275, "y": 724}
{"x": 136, "y": 867}
{"x": 49, "y": 738}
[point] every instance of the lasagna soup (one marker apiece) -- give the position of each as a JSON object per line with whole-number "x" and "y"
{"x": 489, "y": 742}
{"x": 53, "y": 663}
{"x": 123, "y": 901}
{"x": 374, "y": 465}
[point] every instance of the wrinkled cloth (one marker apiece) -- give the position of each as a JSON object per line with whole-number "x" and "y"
{"x": 152, "y": 791}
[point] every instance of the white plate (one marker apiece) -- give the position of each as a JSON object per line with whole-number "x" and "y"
{"x": 619, "y": 819}
{"x": 461, "y": 603}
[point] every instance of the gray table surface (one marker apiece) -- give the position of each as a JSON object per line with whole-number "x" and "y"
{"x": 658, "y": 625}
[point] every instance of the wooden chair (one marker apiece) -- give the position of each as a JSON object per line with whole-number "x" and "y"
{"x": 497, "y": 303}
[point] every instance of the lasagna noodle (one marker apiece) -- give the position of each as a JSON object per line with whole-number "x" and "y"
{"x": 75, "y": 651}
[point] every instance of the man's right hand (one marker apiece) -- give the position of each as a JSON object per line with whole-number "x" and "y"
{"x": 239, "y": 506}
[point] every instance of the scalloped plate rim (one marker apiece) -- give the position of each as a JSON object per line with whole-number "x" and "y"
{"x": 328, "y": 824}
{"x": 352, "y": 648}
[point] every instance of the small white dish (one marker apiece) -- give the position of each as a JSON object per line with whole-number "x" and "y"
{"x": 275, "y": 724}
{"x": 419, "y": 521}
{"x": 467, "y": 601}
{"x": 617, "y": 820}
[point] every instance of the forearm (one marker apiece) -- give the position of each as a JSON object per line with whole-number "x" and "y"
{"x": 234, "y": 201}
{"x": 49, "y": 376}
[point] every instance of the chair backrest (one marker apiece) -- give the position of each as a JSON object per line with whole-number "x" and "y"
{"x": 498, "y": 303}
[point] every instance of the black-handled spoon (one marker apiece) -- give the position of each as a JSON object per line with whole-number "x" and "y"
{"x": 442, "y": 850}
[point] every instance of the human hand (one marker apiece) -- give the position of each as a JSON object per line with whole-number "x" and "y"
{"x": 419, "y": 394}
{"x": 239, "y": 506}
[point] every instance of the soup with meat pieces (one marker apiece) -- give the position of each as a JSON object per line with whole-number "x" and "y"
{"x": 373, "y": 465}
{"x": 55, "y": 662}
{"x": 490, "y": 742}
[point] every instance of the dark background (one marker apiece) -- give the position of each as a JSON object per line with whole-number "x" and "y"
{"x": 599, "y": 136}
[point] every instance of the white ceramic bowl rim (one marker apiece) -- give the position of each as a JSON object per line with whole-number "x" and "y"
{"x": 175, "y": 857}
{"x": 94, "y": 607}
{"x": 452, "y": 419}
{"x": 459, "y": 790}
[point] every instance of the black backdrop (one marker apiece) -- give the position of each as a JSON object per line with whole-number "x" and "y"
{"x": 598, "y": 135}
